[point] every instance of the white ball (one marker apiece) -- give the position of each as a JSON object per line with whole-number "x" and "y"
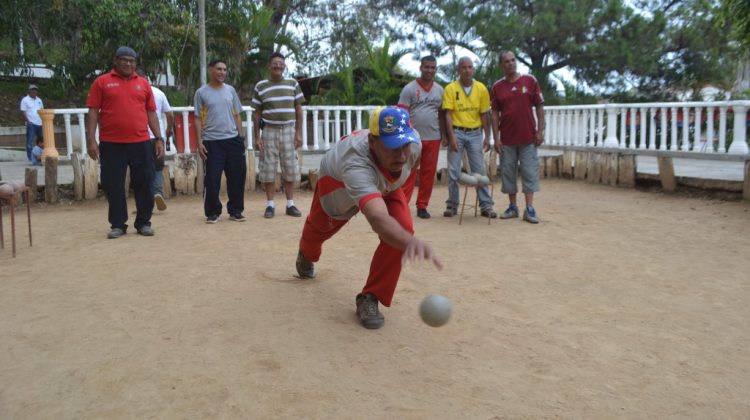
{"x": 435, "y": 310}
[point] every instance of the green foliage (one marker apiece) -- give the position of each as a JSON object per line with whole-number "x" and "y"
{"x": 373, "y": 82}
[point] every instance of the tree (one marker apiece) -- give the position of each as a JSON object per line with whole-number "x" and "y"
{"x": 78, "y": 38}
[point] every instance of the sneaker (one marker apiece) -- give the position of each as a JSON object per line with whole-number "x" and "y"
{"x": 160, "y": 203}
{"x": 423, "y": 214}
{"x": 368, "y": 313}
{"x": 115, "y": 233}
{"x": 212, "y": 219}
{"x": 145, "y": 230}
{"x": 305, "y": 267}
{"x": 268, "y": 214}
{"x": 489, "y": 213}
{"x": 529, "y": 215}
{"x": 449, "y": 212}
{"x": 293, "y": 211}
{"x": 510, "y": 212}
{"x": 237, "y": 217}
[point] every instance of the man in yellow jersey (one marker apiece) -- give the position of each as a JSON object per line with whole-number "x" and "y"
{"x": 467, "y": 111}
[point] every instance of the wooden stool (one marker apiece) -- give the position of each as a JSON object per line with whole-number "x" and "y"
{"x": 8, "y": 192}
{"x": 474, "y": 180}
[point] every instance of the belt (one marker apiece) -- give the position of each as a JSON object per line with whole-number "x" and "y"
{"x": 279, "y": 126}
{"x": 466, "y": 129}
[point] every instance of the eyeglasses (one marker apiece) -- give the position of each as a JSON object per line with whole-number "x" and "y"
{"x": 127, "y": 60}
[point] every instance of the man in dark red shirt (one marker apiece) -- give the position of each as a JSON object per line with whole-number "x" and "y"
{"x": 517, "y": 135}
{"x": 122, "y": 103}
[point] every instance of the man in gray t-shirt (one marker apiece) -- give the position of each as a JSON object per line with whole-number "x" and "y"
{"x": 423, "y": 98}
{"x": 218, "y": 129}
{"x": 364, "y": 172}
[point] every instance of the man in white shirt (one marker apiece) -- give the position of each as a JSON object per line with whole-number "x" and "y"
{"x": 30, "y": 105}
{"x": 163, "y": 111}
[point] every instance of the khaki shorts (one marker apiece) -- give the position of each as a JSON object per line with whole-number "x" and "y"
{"x": 278, "y": 148}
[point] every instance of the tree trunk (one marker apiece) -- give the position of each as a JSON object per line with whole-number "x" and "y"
{"x": 742, "y": 83}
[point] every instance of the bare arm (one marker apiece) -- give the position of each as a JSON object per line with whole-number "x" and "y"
{"x": 539, "y": 137}
{"x": 153, "y": 124}
{"x": 238, "y": 123}
{"x": 256, "y": 130}
{"x": 452, "y": 145}
{"x": 496, "y": 130}
{"x": 443, "y": 133}
{"x": 198, "y": 124}
{"x": 91, "y": 122}
{"x": 170, "y": 123}
{"x": 298, "y": 125}
{"x": 392, "y": 233}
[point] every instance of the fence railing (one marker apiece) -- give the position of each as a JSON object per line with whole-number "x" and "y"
{"x": 321, "y": 127}
{"x": 701, "y": 127}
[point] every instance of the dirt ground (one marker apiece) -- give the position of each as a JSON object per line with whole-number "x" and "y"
{"x": 620, "y": 304}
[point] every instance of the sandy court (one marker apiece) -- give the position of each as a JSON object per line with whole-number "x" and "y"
{"x": 621, "y": 304}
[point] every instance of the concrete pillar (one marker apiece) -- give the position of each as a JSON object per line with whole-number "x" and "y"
{"x": 611, "y": 140}
{"x": 739, "y": 140}
{"x": 48, "y": 131}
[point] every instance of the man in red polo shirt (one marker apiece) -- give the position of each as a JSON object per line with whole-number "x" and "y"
{"x": 517, "y": 134}
{"x": 122, "y": 104}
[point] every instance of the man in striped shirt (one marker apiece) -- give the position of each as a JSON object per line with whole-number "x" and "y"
{"x": 278, "y": 111}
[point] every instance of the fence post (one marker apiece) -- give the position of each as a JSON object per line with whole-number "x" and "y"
{"x": 739, "y": 140}
{"x": 611, "y": 140}
{"x": 48, "y": 131}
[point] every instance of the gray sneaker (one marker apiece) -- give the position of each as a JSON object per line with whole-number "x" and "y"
{"x": 530, "y": 216}
{"x": 305, "y": 267}
{"x": 368, "y": 313}
{"x": 510, "y": 212}
{"x": 115, "y": 233}
{"x": 145, "y": 230}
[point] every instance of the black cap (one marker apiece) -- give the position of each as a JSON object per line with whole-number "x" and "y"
{"x": 125, "y": 52}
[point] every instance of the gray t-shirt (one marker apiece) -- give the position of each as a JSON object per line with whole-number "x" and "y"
{"x": 423, "y": 105}
{"x": 216, "y": 109}
{"x": 349, "y": 177}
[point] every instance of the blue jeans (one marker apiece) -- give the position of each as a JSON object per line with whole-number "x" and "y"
{"x": 157, "y": 187}
{"x": 472, "y": 142}
{"x": 32, "y": 131}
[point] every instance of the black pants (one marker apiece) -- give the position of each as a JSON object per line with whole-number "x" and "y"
{"x": 115, "y": 158}
{"x": 226, "y": 156}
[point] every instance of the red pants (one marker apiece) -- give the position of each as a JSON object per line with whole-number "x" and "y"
{"x": 427, "y": 169}
{"x": 385, "y": 267}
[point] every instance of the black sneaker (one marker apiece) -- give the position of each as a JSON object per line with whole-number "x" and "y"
{"x": 489, "y": 213}
{"x": 268, "y": 214}
{"x": 368, "y": 313}
{"x": 145, "y": 230}
{"x": 423, "y": 214}
{"x": 212, "y": 219}
{"x": 449, "y": 212}
{"x": 293, "y": 211}
{"x": 237, "y": 217}
{"x": 115, "y": 233}
{"x": 305, "y": 267}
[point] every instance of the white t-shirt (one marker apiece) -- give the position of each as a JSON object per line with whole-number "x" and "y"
{"x": 162, "y": 107}
{"x": 31, "y": 106}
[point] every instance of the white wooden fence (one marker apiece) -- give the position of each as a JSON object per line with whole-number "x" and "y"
{"x": 700, "y": 127}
